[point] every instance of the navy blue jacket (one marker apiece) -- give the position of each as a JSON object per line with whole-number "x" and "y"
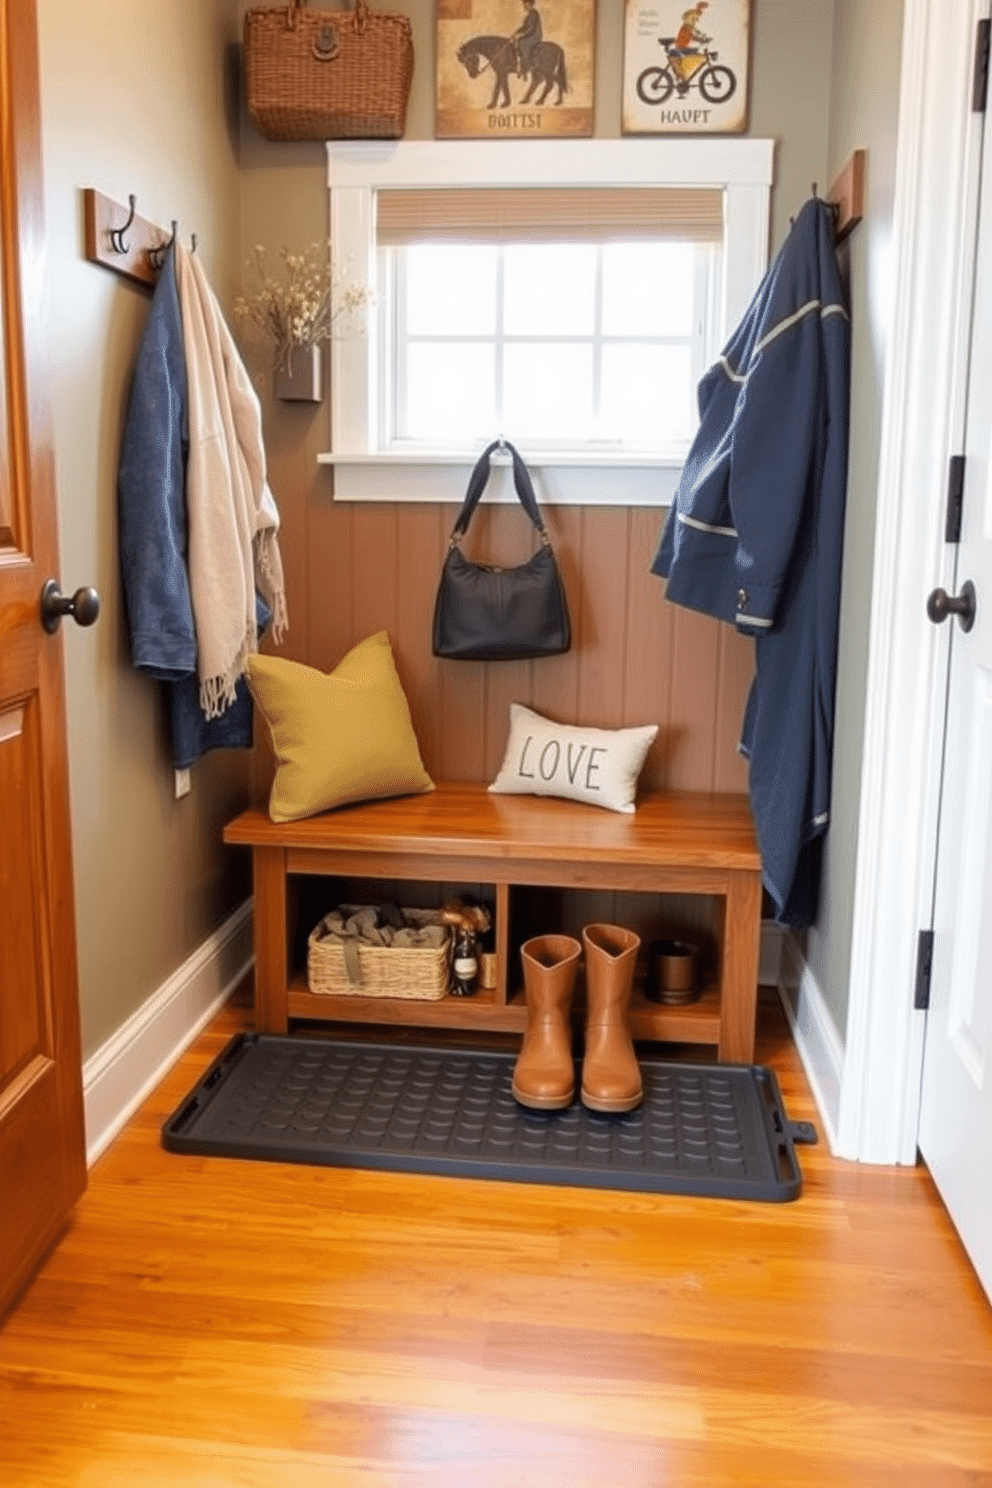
{"x": 755, "y": 537}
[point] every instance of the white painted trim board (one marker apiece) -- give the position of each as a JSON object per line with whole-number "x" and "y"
{"x": 118, "y": 1077}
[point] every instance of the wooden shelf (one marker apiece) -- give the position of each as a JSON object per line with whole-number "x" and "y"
{"x": 693, "y": 1023}
{"x": 479, "y": 1011}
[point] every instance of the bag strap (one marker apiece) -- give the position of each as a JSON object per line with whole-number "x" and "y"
{"x": 359, "y": 16}
{"x": 477, "y": 484}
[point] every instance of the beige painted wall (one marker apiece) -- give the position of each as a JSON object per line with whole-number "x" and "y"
{"x": 864, "y": 111}
{"x": 138, "y": 97}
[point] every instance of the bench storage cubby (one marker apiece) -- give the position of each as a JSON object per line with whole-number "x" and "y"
{"x": 532, "y": 859}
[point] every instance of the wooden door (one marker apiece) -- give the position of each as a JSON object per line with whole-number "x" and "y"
{"x": 956, "y": 1098}
{"x": 42, "y": 1155}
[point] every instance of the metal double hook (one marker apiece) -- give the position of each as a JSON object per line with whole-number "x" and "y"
{"x": 156, "y": 256}
{"x": 117, "y": 233}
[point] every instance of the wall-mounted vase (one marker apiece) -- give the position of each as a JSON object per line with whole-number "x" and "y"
{"x": 298, "y": 377}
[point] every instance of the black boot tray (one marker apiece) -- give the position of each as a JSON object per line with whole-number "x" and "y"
{"x": 703, "y": 1129}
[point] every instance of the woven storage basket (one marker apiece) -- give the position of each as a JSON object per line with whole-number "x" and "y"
{"x": 416, "y": 972}
{"x": 327, "y": 74}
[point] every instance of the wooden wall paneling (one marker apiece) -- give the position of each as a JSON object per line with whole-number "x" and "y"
{"x": 694, "y": 918}
{"x": 375, "y": 604}
{"x": 603, "y": 622}
{"x": 331, "y": 577}
{"x": 647, "y": 641}
{"x": 735, "y": 669}
{"x": 294, "y": 433}
{"x": 461, "y": 699}
{"x": 420, "y": 530}
{"x": 506, "y": 682}
{"x": 508, "y": 539}
{"x": 463, "y": 696}
{"x": 555, "y": 681}
{"x": 641, "y": 913}
{"x": 650, "y": 638}
{"x": 634, "y": 658}
{"x": 693, "y": 709}
{"x": 686, "y": 917}
{"x": 601, "y": 642}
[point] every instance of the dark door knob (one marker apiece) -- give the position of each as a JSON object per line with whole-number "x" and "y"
{"x": 941, "y": 604}
{"x": 84, "y": 606}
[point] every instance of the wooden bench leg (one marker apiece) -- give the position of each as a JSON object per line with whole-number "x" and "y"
{"x": 739, "y": 979}
{"x": 271, "y": 953}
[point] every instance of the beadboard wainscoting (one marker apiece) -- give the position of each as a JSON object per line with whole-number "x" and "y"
{"x": 634, "y": 658}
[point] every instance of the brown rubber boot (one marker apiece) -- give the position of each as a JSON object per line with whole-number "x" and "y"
{"x": 544, "y": 1075}
{"x": 611, "y": 1076}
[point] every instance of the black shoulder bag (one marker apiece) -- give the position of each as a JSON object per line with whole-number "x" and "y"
{"x": 483, "y": 613}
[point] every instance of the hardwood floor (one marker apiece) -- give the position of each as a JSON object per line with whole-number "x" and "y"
{"x": 210, "y": 1323}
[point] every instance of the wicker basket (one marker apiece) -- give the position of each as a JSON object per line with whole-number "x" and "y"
{"x": 413, "y": 972}
{"x": 321, "y": 74}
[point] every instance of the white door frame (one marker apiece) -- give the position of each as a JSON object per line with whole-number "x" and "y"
{"x": 932, "y": 255}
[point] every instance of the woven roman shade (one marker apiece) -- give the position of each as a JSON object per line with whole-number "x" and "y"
{"x": 543, "y": 214}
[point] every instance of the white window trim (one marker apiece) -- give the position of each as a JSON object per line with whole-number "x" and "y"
{"x": 356, "y": 169}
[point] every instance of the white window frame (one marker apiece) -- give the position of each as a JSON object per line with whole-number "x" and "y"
{"x": 742, "y": 168}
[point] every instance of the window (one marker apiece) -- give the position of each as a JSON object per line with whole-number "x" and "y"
{"x": 568, "y": 345}
{"x": 573, "y": 319}
{"x": 571, "y": 300}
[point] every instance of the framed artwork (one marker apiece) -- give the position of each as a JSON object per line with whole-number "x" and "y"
{"x": 685, "y": 70}
{"x": 509, "y": 69}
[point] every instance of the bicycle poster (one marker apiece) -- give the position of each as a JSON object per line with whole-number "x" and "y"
{"x": 685, "y": 66}
{"x": 508, "y": 69}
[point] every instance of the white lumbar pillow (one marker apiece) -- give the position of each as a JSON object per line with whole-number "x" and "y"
{"x": 599, "y": 766}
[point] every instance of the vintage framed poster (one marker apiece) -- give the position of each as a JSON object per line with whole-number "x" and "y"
{"x": 685, "y": 70}
{"x": 508, "y": 69}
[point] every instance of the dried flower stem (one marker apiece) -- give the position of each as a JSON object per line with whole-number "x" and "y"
{"x": 305, "y": 306}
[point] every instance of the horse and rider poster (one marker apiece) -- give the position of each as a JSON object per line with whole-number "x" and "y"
{"x": 507, "y": 69}
{"x": 685, "y": 68}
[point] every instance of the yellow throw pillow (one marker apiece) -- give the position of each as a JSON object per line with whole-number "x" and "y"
{"x": 338, "y": 736}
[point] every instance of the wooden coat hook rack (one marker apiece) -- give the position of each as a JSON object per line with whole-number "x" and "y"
{"x": 121, "y": 240}
{"x": 848, "y": 194}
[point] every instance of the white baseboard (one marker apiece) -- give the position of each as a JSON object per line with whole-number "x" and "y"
{"x": 815, "y": 1035}
{"x": 130, "y": 1064}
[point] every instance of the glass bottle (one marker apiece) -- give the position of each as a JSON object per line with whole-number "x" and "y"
{"x": 465, "y": 963}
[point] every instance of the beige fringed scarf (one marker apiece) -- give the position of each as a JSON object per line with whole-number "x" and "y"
{"x": 231, "y": 513}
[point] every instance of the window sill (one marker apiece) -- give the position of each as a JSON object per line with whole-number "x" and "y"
{"x": 562, "y": 478}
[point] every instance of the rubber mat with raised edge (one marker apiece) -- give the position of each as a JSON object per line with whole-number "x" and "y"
{"x": 705, "y": 1129}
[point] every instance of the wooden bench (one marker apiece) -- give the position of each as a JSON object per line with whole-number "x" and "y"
{"x": 513, "y": 849}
